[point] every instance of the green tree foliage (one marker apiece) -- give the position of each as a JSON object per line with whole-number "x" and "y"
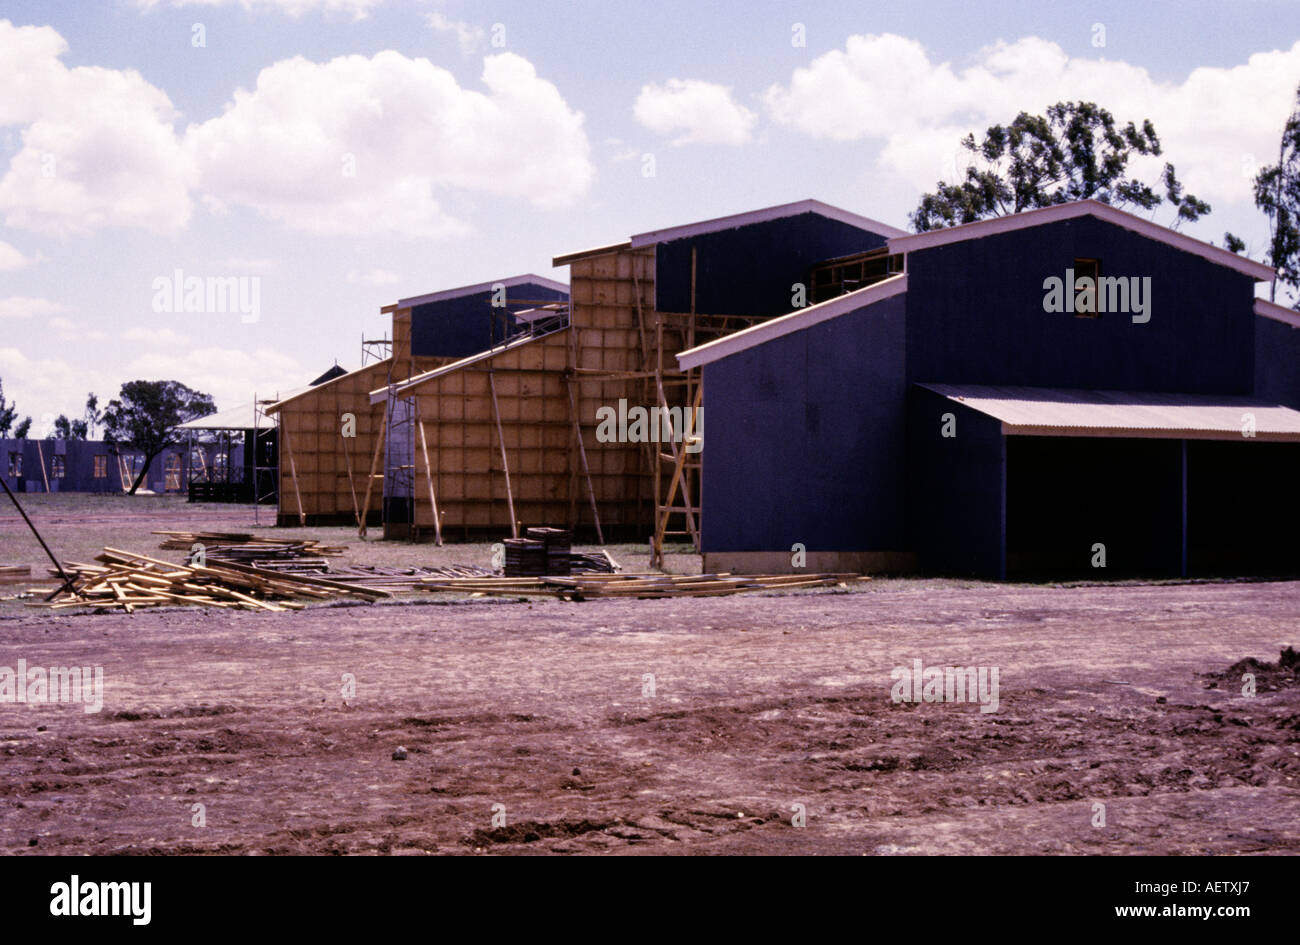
{"x": 1277, "y": 193}
{"x": 65, "y": 429}
{"x": 1076, "y": 152}
{"x": 8, "y": 413}
{"x": 21, "y": 431}
{"x": 145, "y": 415}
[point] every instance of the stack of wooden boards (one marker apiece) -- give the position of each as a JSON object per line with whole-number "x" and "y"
{"x": 240, "y": 546}
{"x": 548, "y": 551}
{"x": 127, "y": 581}
{"x": 642, "y": 585}
{"x": 15, "y": 573}
{"x": 541, "y": 551}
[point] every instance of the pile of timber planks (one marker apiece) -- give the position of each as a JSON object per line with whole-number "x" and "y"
{"x": 648, "y": 585}
{"x": 15, "y": 573}
{"x": 599, "y": 563}
{"x": 126, "y": 581}
{"x": 240, "y": 546}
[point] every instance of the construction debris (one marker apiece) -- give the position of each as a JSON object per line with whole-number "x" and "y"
{"x": 126, "y": 581}
{"x": 240, "y": 546}
{"x": 645, "y": 585}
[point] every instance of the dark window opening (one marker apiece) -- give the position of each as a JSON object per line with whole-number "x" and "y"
{"x": 1085, "y": 297}
{"x": 56, "y": 466}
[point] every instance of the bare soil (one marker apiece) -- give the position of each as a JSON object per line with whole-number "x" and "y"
{"x": 1126, "y": 696}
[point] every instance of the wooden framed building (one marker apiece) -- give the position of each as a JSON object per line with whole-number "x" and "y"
{"x": 329, "y": 432}
{"x": 513, "y": 434}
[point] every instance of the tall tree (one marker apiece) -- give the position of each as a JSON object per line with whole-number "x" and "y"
{"x": 8, "y": 413}
{"x": 145, "y": 415}
{"x": 93, "y": 415}
{"x": 1076, "y": 152}
{"x": 1277, "y": 193}
{"x": 21, "y": 431}
{"x": 65, "y": 429}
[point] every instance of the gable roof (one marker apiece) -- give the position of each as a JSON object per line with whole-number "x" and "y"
{"x": 1070, "y": 211}
{"x": 510, "y": 283}
{"x": 779, "y": 212}
{"x": 748, "y": 218}
{"x": 796, "y": 321}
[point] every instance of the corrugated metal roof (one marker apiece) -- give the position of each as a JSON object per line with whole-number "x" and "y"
{"x": 1039, "y": 411}
{"x": 242, "y": 417}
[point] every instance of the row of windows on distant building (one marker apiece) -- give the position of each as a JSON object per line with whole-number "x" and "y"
{"x": 58, "y": 468}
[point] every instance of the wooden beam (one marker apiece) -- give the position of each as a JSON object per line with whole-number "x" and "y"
{"x": 428, "y": 471}
{"x": 677, "y": 480}
{"x": 582, "y": 453}
{"x": 370, "y": 480}
{"x": 505, "y": 462}
{"x": 41, "y": 453}
{"x": 347, "y": 458}
{"x": 293, "y": 471}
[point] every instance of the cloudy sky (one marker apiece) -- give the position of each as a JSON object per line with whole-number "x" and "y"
{"x": 347, "y": 153}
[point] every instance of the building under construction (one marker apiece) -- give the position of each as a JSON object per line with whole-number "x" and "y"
{"x": 509, "y": 435}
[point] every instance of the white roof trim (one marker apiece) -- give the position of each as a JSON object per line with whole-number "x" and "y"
{"x": 482, "y": 287}
{"x": 1070, "y": 211}
{"x": 309, "y": 389}
{"x": 380, "y": 395}
{"x": 762, "y": 216}
{"x": 1266, "y": 309}
{"x": 565, "y": 259}
{"x": 796, "y": 321}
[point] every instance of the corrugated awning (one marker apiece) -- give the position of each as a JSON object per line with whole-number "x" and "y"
{"x": 242, "y": 417}
{"x": 1039, "y": 411}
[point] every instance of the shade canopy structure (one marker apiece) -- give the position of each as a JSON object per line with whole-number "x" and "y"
{"x": 1037, "y": 411}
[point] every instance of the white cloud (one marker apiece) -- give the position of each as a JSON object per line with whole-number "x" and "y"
{"x": 25, "y": 306}
{"x": 373, "y": 277}
{"x": 11, "y": 259}
{"x": 98, "y": 146}
{"x": 365, "y": 146}
{"x": 698, "y": 112}
{"x": 248, "y": 264}
{"x": 1214, "y": 126}
{"x": 230, "y": 375}
{"x": 155, "y": 337}
{"x": 359, "y": 9}
{"x": 470, "y": 37}
{"x": 43, "y": 388}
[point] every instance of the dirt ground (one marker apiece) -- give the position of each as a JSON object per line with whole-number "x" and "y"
{"x": 679, "y": 726}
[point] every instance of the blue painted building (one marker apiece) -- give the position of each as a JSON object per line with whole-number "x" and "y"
{"x": 1068, "y": 391}
{"x": 59, "y": 465}
{"x": 455, "y": 323}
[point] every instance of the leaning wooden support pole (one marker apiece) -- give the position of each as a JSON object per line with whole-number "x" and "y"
{"x": 293, "y": 471}
{"x": 41, "y": 453}
{"x": 370, "y": 480}
{"x": 505, "y": 463}
{"x": 428, "y": 472}
{"x": 58, "y": 567}
{"x": 347, "y": 459}
{"x": 582, "y": 455}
